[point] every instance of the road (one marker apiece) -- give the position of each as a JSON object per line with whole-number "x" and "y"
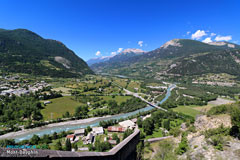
{"x": 137, "y": 95}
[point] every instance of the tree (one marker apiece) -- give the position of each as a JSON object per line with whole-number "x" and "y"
{"x": 46, "y": 139}
{"x": 115, "y": 137}
{"x": 75, "y": 146}
{"x": 148, "y": 126}
{"x": 235, "y": 118}
{"x": 55, "y": 135}
{"x": 81, "y": 111}
{"x": 35, "y": 139}
{"x": 68, "y": 146}
{"x": 140, "y": 147}
{"x": 87, "y": 130}
{"x": 127, "y": 133}
{"x": 166, "y": 124}
{"x": 139, "y": 122}
{"x": 58, "y": 145}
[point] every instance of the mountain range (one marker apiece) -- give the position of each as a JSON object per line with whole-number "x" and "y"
{"x": 124, "y": 55}
{"x": 176, "y": 57}
{"x": 23, "y": 51}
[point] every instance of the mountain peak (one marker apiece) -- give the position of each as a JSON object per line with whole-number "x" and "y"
{"x": 174, "y": 42}
{"x": 134, "y": 50}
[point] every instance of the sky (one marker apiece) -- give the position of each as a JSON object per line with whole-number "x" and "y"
{"x": 96, "y": 28}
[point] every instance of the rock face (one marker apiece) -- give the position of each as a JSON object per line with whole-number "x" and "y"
{"x": 204, "y": 123}
{"x": 174, "y": 42}
{"x": 200, "y": 149}
{"x": 63, "y": 61}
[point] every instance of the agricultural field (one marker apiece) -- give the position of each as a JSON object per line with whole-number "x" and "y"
{"x": 188, "y": 110}
{"x": 121, "y": 82}
{"x": 133, "y": 85}
{"x": 59, "y": 106}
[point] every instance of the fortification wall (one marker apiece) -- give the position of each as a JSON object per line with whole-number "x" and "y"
{"x": 125, "y": 150}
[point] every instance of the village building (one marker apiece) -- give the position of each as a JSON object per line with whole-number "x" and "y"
{"x": 71, "y": 137}
{"x": 97, "y": 130}
{"x": 134, "y": 120}
{"x": 127, "y": 124}
{"x": 115, "y": 129}
{"x": 79, "y": 132}
{"x": 89, "y": 138}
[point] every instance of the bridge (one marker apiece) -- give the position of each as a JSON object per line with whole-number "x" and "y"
{"x": 149, "y": 103}
{"x": 137, "y": 95}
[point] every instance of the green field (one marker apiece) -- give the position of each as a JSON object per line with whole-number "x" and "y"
{"x": 156, "y": 134}
{"x": 187, "y": 110}
{"x": 132, "y": 85}
{"x": 59, "y": 106}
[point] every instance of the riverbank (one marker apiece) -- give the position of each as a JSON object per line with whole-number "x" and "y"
{"x": 74, "y": 124}
{"x": 53, "y": 125}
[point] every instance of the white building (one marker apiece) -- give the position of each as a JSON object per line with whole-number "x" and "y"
{"x": 79, "y": 132}
{"x": 97, "y": 130}
{"x": 127, "y": 124}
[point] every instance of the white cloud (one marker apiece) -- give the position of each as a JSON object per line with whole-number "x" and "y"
{"x": 223, "y": 38}
{"x": 140, "y": 43}
{"x": 113, "y": 53}
{"x": 119, "y": 50}
{"x": 198, "y": 34}
{"x": 213, "y": 34}
{"x": 188, "y": 32}
{"x": 207, "y": 40}
{"x": 98, "y": 53}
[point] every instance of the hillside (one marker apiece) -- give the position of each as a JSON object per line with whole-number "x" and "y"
{"x": 23, "y": 51}
{"x": 174, "y": 58}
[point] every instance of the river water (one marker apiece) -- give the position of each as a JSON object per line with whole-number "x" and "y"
{"x": 51, "y": 130}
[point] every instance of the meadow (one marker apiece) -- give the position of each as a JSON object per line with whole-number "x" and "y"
{"x": 59, "y": 106}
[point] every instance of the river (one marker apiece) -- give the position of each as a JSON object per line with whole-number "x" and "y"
{"x": 50, "y": 129}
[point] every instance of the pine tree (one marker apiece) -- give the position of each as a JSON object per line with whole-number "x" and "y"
{"x": 68, "y": 146}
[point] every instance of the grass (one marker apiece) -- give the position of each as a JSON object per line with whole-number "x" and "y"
{"x": 156, "y": 134}
{"x": 59, "y": 106}
{"x": 188, "y": 110}
{"x": 121, "y": 82}
{"x": 204, "y": 108}
{"x": 132, "y": 85}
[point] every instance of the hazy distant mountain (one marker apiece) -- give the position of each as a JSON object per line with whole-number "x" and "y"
{"x": 174, "y": 57}
{"x": 98, "y": 60}
{"x": 23, "y": 51}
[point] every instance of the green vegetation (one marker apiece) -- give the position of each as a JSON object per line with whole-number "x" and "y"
{"x": 127, "y": 133}
{"x": 59, "y": 106}
{"x": 26, "y": 52}
{"x": 188, "y": 110}
{"x": 183, "y": 145}
{"x": 170, "y": 121}
{"x": 165, "y": 151}
{"x": 216, "y": 136}
{"x": 19, "y": 110}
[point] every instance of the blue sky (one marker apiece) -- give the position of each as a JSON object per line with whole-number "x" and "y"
{"x": 89, "y": 26}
